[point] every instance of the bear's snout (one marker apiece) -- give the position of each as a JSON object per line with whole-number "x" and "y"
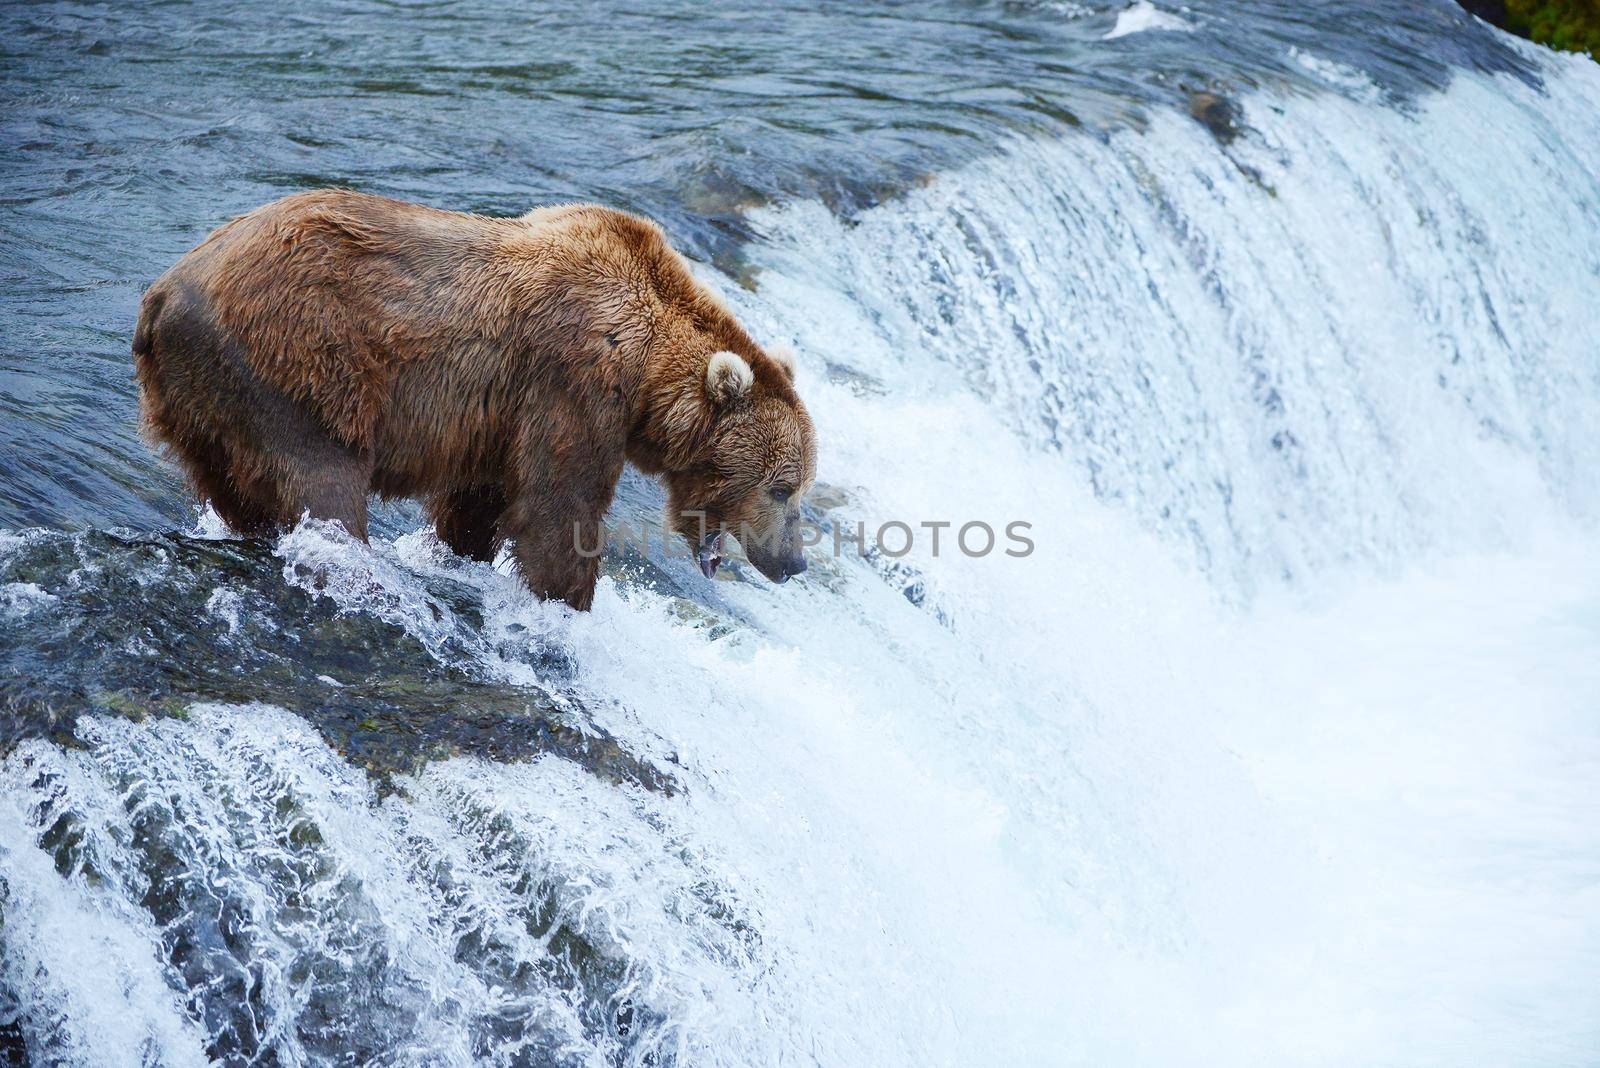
{"x": 778, "y": 568}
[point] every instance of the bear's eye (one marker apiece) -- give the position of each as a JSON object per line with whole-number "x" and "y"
{"x": 781, "y": 493}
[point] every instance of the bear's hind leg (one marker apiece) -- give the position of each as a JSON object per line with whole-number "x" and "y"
{"x": 248, "y": 505}
{"x": 468, "y": 520}
{"x": 261, "y": 494}
{"x": 328, "y": 481}
{"x": 260, "y": 456}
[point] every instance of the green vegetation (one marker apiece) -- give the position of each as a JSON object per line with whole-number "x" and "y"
{"x": 1570, "y": 25}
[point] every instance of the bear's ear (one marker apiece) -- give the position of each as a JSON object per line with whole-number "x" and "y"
{"x": 783, "y": 356}
{"x": 728, "y": 378}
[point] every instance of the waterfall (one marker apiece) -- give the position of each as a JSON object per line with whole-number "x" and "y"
{"x": 1339, "y": 331}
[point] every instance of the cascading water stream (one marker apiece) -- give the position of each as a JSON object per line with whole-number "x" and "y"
{"x": 1334, "y": 331}
{"x": 1278, "y": 748}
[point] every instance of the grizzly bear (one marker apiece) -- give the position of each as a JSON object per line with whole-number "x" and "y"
{"x": 334, "y": 344}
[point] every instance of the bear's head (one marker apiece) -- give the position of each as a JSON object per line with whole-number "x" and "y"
{"x": 755, "y": 462}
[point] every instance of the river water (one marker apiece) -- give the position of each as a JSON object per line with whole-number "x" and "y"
{"x": 1275, "y": 321}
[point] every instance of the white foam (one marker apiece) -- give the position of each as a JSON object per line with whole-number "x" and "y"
{"x": 1339, "y": 75}
{"x": 1144, "y": 17}
{"x": 225, "y": 605}
{"x": 209, "y": 524}
{"x": 18, "y": 599}
{"x": 88, "y": 955}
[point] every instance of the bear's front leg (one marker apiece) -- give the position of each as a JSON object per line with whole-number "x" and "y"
{"x": 548, "y": 557}
{"x": 555, "y": 515}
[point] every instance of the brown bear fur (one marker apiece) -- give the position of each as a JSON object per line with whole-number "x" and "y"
{"x": 333, "y": 344}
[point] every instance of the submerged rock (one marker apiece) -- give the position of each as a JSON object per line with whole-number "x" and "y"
{"x": 146, "y": 625}
{"x": 1217, "y": 114}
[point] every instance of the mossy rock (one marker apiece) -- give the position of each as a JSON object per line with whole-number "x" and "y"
{"x": 1568, "y": 25}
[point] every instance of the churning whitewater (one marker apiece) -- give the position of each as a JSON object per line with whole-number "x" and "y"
{"x": 1279, "y": 748}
